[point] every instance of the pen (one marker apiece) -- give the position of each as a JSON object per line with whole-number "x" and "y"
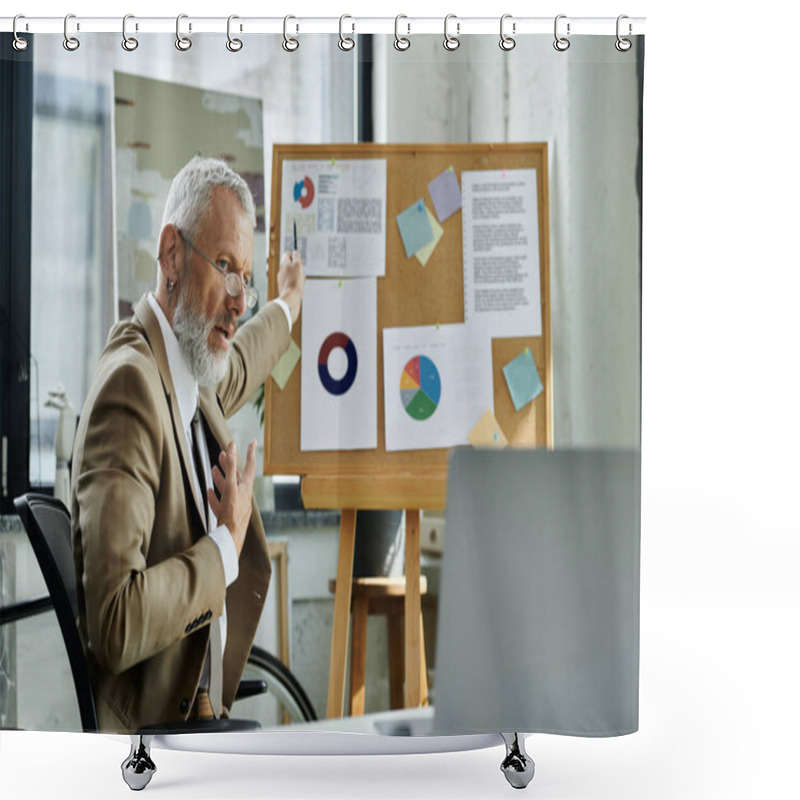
{"x": 294, "y": 228}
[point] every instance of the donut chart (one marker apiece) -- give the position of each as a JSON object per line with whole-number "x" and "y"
{"x": 306, "y": 185}
{"x": 420, "y": 388}
{"x": 341, "y": 385}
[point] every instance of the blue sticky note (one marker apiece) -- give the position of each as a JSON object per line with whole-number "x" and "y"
{"x": 445, "y": 193}
{"x": 415, "y": 228}
{"x": 522, "y": 379}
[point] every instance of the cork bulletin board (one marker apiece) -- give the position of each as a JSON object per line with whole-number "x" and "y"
{"x": 409, "y": 295}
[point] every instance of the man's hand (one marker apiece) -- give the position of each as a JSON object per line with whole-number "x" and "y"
{"x": 291, "y": 280}
{"x": 236, "y": 492}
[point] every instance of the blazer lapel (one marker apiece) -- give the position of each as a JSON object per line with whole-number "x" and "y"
{"x": 152, "y": 329}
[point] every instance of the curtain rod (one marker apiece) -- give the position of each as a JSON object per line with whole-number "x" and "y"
{"x": 346, "y": 25}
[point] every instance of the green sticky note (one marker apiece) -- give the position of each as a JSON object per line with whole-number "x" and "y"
{"x": 286, "y": 364}
{"x": 522, "y": 379}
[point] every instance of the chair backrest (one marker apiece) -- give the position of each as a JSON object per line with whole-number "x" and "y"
{"x": 47, "y": 524}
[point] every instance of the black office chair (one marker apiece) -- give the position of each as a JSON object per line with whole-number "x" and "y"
{"x": 47, "y": 523}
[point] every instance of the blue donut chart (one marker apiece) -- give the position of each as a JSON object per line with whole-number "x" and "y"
{"x": 343, "y": 384}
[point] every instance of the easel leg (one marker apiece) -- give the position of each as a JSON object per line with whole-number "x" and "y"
{"x": 413, "y": 609}
{"x": 341, "y": 614}
{"x": 394, "y": 631}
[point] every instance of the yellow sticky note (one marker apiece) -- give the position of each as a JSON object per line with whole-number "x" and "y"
{"x": 286, "y": 364}
{"x": 425, "y": 253}
{"x": 487, "y": 433}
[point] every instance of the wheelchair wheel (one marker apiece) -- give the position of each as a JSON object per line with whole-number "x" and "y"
{"x": 285, "y": 701}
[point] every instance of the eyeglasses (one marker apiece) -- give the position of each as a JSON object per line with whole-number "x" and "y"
{"x": 235, "y": 284}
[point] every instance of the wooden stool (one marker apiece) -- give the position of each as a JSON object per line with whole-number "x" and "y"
{"x": 381, "y": 596}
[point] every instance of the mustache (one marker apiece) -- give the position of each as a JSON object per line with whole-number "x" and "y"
{"x": 226, "y": 320}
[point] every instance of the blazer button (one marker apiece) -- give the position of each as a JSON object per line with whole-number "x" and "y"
{"x": 206, "y": 616}
{"x": 188, "y": 628}
{"x": 184, "y": 705}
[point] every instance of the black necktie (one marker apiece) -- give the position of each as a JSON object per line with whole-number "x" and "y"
{"x": 214, "y": 636}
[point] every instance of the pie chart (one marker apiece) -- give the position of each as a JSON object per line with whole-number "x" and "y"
{"x": 420, "y": 388}
{"x": 304, "y": 192}
{"x": 337, "y": 386}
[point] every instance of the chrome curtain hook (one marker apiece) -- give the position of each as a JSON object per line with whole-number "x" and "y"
{"x": 183, "y": 43}
{"x": 451, "y": 42}
{"x": 234, "y": 45}
{"x": 289, "y": 44}
{"x": 345, "y": 42}
{"x": 70, "y": 42}
{"x": 623, "y": 45}
{"x": 561, "y": 43}
{"x": 128, "y": 42}
{"x": 400, "y": 42}
{"x": 507, "y": 42}
{"x": 19, "y": 42}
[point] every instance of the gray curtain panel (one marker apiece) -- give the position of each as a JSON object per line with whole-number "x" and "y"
{"x": 539, "y": 626}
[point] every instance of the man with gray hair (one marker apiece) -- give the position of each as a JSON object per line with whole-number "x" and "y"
{"x": 170, "y": 552}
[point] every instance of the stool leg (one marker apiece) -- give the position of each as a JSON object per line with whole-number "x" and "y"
{"x": 358, "y": 655}
{"x": 394, "y": 632}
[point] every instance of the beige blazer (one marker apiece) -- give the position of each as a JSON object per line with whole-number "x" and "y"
{"x": 149, "y": 579}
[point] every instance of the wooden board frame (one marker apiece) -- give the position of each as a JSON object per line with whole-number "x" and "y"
{"x": 409, "y": 294}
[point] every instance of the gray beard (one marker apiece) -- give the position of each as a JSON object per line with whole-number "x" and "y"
{"x": 192, "y": 330}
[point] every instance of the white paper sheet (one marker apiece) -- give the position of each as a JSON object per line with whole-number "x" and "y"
{"x": 339, "y": 373}
{"x": 437, "y": 384}
{"x": 339, "y": 208}
{"x": 500, "y": 227}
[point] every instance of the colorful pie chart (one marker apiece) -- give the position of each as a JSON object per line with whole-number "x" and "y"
{"x": 304, "y": 192}
{"x": 420, "y": 388}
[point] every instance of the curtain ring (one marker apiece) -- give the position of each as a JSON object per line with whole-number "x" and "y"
{"x": 507, "y": 42}
{"x": 183, "y": 43}
{"x": 561, "y": 43}
{"x": 70, "y": 42}
{"x": 234, "y": 45}
{"x": 19, "y": 43}
{"x": 289, "y": 44}
{"x": 128, "y": 42}
{"x": 623, "y": 45}
{"x": 345, "y": 42}
{"x": 400, "y": 42}
{"x": 451, "y": 42}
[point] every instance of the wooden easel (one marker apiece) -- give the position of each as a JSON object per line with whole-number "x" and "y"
{"x": 407, "y": 295}
{"x": 350, "y": 493}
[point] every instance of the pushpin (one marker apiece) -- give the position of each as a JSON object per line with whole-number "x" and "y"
{"x": 437, "y": 326}
{"x": 340, "y": 283}
{"x": 450, "y": 168}
{"x": 419, "y": 206}
{"x": 495, "y": 435}
{"x": 504, "y": 174}
{"x": 527, "y": 350}
{"x": 333, "y": 161}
